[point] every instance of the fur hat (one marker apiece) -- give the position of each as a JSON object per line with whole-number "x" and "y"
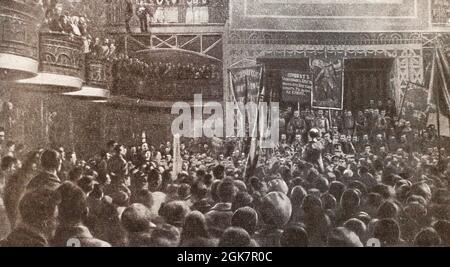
{"x": 342, "y": 237}
{"x": 275, "y": 209}
{"x": 235, "y": 237}
{"x": 278, "y": 185}
{"x": 246, "y": 218}
{"x": 136, "y": 218}
{"x": 174, "y": 212}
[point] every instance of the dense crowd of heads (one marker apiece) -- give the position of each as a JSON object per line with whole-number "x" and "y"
{"x": 132, "y": 67}
{"x": 297, "y": 195}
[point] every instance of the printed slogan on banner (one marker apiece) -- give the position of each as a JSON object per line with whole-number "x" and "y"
{"x": 296, "y": 86}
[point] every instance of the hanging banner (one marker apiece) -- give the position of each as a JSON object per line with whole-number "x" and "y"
{"x": 246, "y": 83}
{"x": 328, "y": 83}
{"x": 296, "y": 86}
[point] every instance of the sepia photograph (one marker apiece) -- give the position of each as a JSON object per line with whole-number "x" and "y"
{"x": 224, "y": 124}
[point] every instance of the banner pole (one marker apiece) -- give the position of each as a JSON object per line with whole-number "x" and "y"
{"x": 438, "y": 101}
{"x": 329, "y": 118}
{"x": 245, "y": 103}
{"x": 403, "y": 102}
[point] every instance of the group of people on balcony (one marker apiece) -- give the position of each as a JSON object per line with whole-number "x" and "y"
{"x": 58, "y": 20}
{"x": 160, "y": 11}
{"x": 130, "y": 67}
{"x": 100, "y": 48}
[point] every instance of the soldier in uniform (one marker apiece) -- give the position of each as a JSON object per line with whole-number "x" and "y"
{"x": 321, "y": 123}
{"x": 295, "y": 125}
{"x": 349, "y": 123}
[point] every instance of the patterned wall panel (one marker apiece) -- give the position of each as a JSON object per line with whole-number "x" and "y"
{"x": 404, "y": 48}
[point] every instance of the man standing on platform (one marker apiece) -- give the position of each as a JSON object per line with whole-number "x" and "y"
{"x": 361, "y": 123}
{"x": 128, "y": 14}
{"x": 381, "y": 124}
{"x": 309, "y": 119}
{"x": 321, "y": 123}
{"x": 349, "y": 123}
{"x": 328, "y": 143}
{"x": 142, "y": 13}
{"x": 337, "y": 120}
{"x": 314, "y": 149}
{"x": 390, "y": 108}
{"x": 295, "y": 125}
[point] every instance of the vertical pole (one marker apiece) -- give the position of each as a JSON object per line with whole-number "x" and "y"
{"x": 126, "y": 45}
{"x": 438, "y": 101}
{"x": 329, "y": 119}
{"x": 245, "y": 102}
{"x": 246, "y": 90}
{"x": 403, "y": 102}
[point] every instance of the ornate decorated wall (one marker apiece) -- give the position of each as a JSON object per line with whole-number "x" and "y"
{"x": 405, "y": 49}
{"x": 330, "y": 15}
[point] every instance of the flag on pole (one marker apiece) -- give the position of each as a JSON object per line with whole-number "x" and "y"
{"x": 439, "y": 93}
{"x": 246, "y": 85}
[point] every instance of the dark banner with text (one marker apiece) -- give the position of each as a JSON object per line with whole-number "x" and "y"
{"x": 296, "y": 86}
{"x": 246, "y": 83}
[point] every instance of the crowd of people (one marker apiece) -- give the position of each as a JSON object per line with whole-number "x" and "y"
{"x": 133, "y": 67}
{"x": 378, "y": 119}
{"x": 395, "y": 190}
{"x": 58, "y": 20}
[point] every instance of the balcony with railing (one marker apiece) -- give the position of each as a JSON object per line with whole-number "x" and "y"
{"x": 167, "y": 13}
{"x": 98, "y": 79}
{"x": 61, "y": 63}
{"x": 18, "y": 39}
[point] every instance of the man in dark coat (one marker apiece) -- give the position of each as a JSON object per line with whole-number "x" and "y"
{"x": 142, "y": 12}
{"x": 219, "y": 217}
{"x": 295, "y": 125}
{"x": 314, "y": 149}
{"x": 48, "y": 178}
{"x": 128, "y": 14}
{"x": 38, "y": 210}
{"x": 72, "y": 210}
{"x": 349, "y": 123}
{"x": 275, "y": 210}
